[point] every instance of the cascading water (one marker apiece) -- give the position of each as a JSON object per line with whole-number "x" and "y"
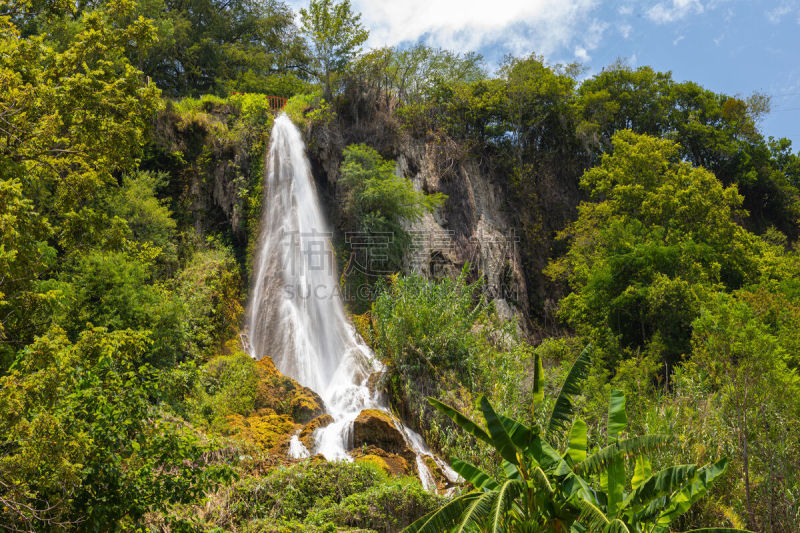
{"x": 296, "y": 314}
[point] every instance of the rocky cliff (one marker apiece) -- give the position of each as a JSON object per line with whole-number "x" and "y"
{"x": 472, "y": 227}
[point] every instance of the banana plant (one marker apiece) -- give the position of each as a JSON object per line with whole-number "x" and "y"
{"x": 654, "y": 500}
{"x": 545, "y": 491}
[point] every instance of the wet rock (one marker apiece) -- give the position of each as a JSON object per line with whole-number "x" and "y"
{"x": 443, "y": 484}
{"x": 307, "y": 435}
{"x": 374, "y": 381}
{"x": 376, "y": 428}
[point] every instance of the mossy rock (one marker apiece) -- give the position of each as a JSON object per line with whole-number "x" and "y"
{"x": 264, "y": 427}
{"x": 442, "y": 483}
{"x": 376, "y": 428}
{"x": 284, "y": 395}
{"x": 393, "y": 464}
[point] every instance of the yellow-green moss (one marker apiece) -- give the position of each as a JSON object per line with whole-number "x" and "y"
{"x": 265, "y": 428}
{"x": 284, "y": 395}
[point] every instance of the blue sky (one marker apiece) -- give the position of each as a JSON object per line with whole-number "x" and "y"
{"x": 729, "y": 46}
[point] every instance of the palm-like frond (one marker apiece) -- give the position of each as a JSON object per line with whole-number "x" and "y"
{"x": 591, "y": 517}
{"x": 641, "y": 471}
{"x": 445, "y": 517}
{"x": 497, "y": 431}
{"x": 540, "y": 480}
{"x": 473, "y": 474}
{"x": 599, "y": 461}
{"x": 563, "y": 408}
{"x": 507, "y": 493}
{"x": 461, "y": 421}
{"x": 477, "y": 511}
{"x": 617, "y": 526}
{"x": 695, "y": 489}
{"x": 662, "y": 483}
{"x": 521, "y": 435}
{"x": 617, "y": 418}
{"x": 576, "y": 450}
{"x": 545, "y": 455}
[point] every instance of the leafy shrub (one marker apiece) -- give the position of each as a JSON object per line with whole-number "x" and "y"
{"x": 387, "y": 507}
{"x": 210, "y": 289}
{"x": 377, "y": 201}
{"x": 148, "y": 217}
{"x": 82, "y": 442}
{"x": 114, "y": 290}
{"x": 443, "y": 339}
{"x": 226, "y": 385}
{"x": 291, "y": 493}
{"x": 308, "y": 107}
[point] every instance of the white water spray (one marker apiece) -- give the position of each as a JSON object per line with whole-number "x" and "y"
{"x": 296, "y": 314}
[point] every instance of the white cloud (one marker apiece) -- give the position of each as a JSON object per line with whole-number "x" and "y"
{"x": 559, "y": 30}
{"x": 679, "y": 39}
{"x": 776, "y": 15}
{"x": 513, "y": 26}
{"x": 665, "y": 12}
{"x": 582, "y": 55}
{"x": 521, "y": 25}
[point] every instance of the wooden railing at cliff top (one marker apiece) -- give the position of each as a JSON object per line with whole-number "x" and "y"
{"x": 276, "y": 103}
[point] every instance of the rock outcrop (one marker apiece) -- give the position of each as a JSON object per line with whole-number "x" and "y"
{"x": 284, "y": 395}
{"x": 393, "y": 464}
{"x": 376, "y": 428}
{"x": 265, "y": 428}
{"x": 376, "y": 439}
{"x": 282, "y": 408}
{"x": 474, "y": 225}
{"x": 307, "y": 435}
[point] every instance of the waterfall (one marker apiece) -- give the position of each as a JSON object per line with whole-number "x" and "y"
{"x": 296, "y": 315}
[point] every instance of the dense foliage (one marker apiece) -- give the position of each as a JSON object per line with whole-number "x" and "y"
{"x": 377, "y": 205}
{"x": 574, "y": 490}
{"x": 655, "y": 221}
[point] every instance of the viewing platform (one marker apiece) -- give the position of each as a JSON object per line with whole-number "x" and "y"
{"x": 276, "y": 103}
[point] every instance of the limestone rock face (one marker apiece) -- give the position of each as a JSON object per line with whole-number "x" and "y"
{"x": 474, "y": 225}
{"x": 376, "y": 428}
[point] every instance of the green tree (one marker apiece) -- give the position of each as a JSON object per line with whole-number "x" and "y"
{"x": 82, "y": 444}
{"x": 659, "y": 240}
{"x": 335, "y": 34}
{"x": 215, "y": 46}
{"x": 714, "y": 131}
{"x": 75, "y": 117}
{"x": 376, "y": 203}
